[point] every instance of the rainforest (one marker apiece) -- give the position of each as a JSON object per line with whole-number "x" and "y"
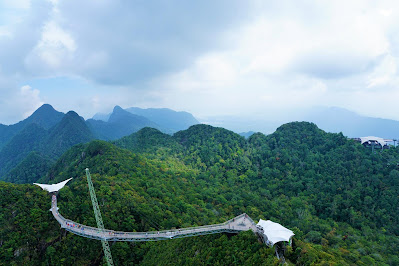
{"x": 338, "y": 197}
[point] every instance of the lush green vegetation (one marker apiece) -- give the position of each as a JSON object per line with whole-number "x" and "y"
{"x": 32, "y": 168}
{"x": 35, "y": 147}
{"x": 48, "y": 133}
{"x": 339, "y": 199}
{"x": 45, "y": 117}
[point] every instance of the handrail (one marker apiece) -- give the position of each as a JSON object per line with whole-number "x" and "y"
{"x": 232, "y": 225}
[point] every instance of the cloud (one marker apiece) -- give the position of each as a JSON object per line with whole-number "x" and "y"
{"x": 296, "y": 56}
{"x": 384, "y": 73}
{"x": 22, "y": 4}
{"x": 208, "y": 57}
{"x": 19, "y": 104}
{"x": 22, "y": 34}
{"x": 121, "y": 43}
{"x": 29, "y": 98}
{"x": 54, "y": 50}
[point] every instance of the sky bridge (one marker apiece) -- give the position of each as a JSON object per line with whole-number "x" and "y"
{"x": 269, "y": 232}
{"x": 240, "y": 223}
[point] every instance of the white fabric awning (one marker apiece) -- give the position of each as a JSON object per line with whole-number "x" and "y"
{"x": 275, "y": 232}
{"x": 53, "y": 187}
{"x": 376, "y": 139}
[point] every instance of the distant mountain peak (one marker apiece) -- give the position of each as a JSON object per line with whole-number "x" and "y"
{"x": 165, "y": 119}
{"x": 118, "y": 113}
{"x": 72, "y": 114}
{"x": 46, "y": 116}
{"x": 44, "y": 109}
{"x": 117, "y": 108}
{"x": 46, "y": 106}
{"x": 169, "y": 120}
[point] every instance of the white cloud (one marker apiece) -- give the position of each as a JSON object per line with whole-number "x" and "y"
{"x": 28, "y": 98}
{"x": 5, "y": 32}
{"x": 18, "y": 104}
{"x": 270, "y": 56}
{"x": 285, "y": 60}
{"x": 20, "y": 4}
{"x": 54, "y": 50}
{"x": 384, "y": 73}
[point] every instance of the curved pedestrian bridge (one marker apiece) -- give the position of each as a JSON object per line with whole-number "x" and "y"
{"x": 240, "y": 223}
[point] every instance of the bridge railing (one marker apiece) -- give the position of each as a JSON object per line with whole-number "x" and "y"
{"x": 97, "y": 233}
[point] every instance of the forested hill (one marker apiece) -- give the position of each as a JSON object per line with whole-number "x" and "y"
{"x": 45, "y": 117}
{"x": 339, "y": 177}
{"x": 36, "y": 142}
{"x": 33, "y": 150}
{"x": 339, "y": 199}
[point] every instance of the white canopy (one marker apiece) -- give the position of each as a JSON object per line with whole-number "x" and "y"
{"x": 275, "y": 232}
{"x": 376, "y": 139}
{"x": 53, "y": 187}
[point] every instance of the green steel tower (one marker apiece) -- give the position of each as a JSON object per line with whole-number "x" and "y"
{"x": 99, "y": 219}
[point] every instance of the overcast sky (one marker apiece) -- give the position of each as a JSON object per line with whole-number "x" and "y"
{"x": 230, "y": 58}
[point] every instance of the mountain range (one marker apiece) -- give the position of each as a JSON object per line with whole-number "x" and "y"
{"x": 330, "y": 119}
{"x": 351, "y": 124}
{"x": 45, "y": 135}
{"x": 167, "y": 120}
{"x": 339, "y": 198}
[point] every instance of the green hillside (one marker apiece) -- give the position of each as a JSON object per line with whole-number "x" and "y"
{"x": 28, "y": 171}
{"x": 31, "y": 153}
{"x": 339, "y": 199}
{"x": 71, "y": 130}
{"x": 20, "y": 146}
{"x": 45, "y": 117}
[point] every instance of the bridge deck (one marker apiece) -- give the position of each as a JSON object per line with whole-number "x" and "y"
{"x": 240, "y": 223}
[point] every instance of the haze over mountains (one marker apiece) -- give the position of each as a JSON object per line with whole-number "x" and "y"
{"x": 45, "y": 135}
{"x": 335, "y": 119}
{"x": 168, "y": 120}
{"x": 322, "y": 185}
{"x": 330, "y": 119}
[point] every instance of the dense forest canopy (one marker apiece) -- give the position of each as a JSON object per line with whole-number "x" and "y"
{"x": 339, "y": 198}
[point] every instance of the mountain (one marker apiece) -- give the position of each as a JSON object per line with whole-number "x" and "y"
{"x": 101, "y": 116}
{"x": 120, "y": 123}
{"x": 35, "y": 145}
{"x": 339, "y": 198}
{"x": 149, "y": 140}
{"x": 47, "y": 134}
{"x": 71, "y": 130}
{"x": 30, "y": 169}
{"x": 169, "y": 120}
{"x": 330, "y": 119}
{"x": 23, "y": 143}
{"x": 336, "y": 119}
{"x": 247, "y": 134}
{"x": 45, "y": 116}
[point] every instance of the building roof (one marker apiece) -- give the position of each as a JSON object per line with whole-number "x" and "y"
{"x": 53, "y": 187}
{"x": 381, "y": 141}
{"x": 275, "y": 232}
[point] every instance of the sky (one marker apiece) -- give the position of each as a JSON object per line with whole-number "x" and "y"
{"x": 212, "y": 58}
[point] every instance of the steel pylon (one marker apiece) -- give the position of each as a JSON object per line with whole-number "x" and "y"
{"x": 99, "y": 220}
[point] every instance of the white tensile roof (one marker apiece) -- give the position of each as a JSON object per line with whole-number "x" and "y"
{"x": 53, "y": 187}
{"x": 275, "y": 232}
{"x": 377, "y": 139}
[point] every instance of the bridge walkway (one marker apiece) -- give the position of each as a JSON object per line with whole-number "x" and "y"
{"x": 240, "y": 223}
